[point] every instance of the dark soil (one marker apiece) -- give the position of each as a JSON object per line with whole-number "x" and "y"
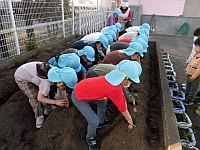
{"x": 65, "y": 128}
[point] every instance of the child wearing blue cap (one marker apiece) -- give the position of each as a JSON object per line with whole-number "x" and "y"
{"x": 87, "y": 55}
{"x": 92, "y": 36}
{"x": 71, "y": 60}
{"x": 133, "y": 52}
{"x": 98, "y": 45}
{"x": 111, "y": 19}
{"x": 109, "y": 86}
{"x": 32, "y": 79}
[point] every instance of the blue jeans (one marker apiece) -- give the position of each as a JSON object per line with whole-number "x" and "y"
{"x": 92, "y": 118}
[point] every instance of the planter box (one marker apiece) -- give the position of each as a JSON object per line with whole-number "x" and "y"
{"x": 168, "y": 64}
{"x": 171, "y": 78}
{"x": 165, "y": 56}
{"x": 171, "y": 72}
{"x": 183, "y": 121}
{"x": 173, "y": 85}
{"x": 166, "y": 60}
{"x": 191, "y": 141}
{"x": 179, "y": 107}
{"x": 177, "y": 94}
{"x": 169, "y": 68}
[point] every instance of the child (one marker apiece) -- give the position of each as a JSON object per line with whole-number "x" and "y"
{"x": 109, "y": 86}
{"x": 133, "y": 52}
{"x": 33, "y": 81}
{"x": 111, "y": 19}
{"x": 192, "y": 72}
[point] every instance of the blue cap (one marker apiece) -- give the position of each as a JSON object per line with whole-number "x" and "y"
{"x": 133, "y": 48}
{"x": 118, "y": 26}
{"x": 126, "y": 68}
{"x": 110, "y": 32}
{"x": 109, "y": 38}
{"x": 103, "y": 41}
{"x": 146, "y": 26}
{"x": 66, "y": 75}
{"x": 144, "y": 37}
{"x": 71, "y": 60}
{"x": 113, "y": 28}
{"x": 117, "y": 11}
{"x": 144, "y": 31}
{"x": 52, "y": 61}
{"x": 88, "y": 51}
{"x": 142, "y": 42}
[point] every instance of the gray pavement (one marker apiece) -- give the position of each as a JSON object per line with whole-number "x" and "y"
{"x": 175, "y": 45}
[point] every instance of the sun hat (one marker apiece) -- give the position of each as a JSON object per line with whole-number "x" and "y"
{"x": 118, "y": 26}
{"x": 103, "y": 41}
{"x": 144, "y": 37}
{"x": 146, "y": 26}
{"x": 109, "y": 38}
{"x": 113, "y": 28}
{"x": 144, "y": 31}
{"x": 133, "y": 48}
{"x": 124, "y": 4}
{"x": 65, "y": 74}
{"x": 117, "y": 11}
{"x": 126, "y": 68}
{"x": 142, "y": 42}
{"x": 71, "y": 60}
{"x": 52, "y": 61}
{"x": 88, "y": 51}
{"x": 110, "y": 32}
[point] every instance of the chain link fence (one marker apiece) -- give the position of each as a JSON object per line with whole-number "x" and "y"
{"x": 26, "y": 25}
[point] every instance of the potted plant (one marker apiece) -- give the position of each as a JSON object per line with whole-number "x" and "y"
{"x": 173, "y": 85}
{"x": 183, "y": 120}
{"x": 187, "y": 137}
{"x": 189, "y": 148}
{"x": 166, "y": 60}
{"x": 169, "y": 68}
{"x": 168, "y": 64}
{"x": 170, "y": 72}
{"x": 171, "y": 78}
{"x": 177, "y": 94}
{"x": 165, "y": 55}
{"x": 179, "y": 107}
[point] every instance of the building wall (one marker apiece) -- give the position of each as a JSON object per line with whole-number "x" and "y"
{"x": 191, "y": 8}
{"x": 160, "y": 7}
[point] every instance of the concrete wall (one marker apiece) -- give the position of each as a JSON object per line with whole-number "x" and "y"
{"x": 191, "y": 8}
{"x": 170, "y": 24}
{"x": 160, "y": 7}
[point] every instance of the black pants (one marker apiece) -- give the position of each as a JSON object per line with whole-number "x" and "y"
{"x": 128, "y": 24}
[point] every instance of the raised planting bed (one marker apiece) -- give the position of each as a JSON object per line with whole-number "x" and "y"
{"x": 183, "y": 120}
{"x": 187, "y": 137}
{"x": 177, "y": 94}
{"x": 179, "y": 107}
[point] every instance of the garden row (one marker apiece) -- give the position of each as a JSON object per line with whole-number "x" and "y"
{"x": 184, "y": 123}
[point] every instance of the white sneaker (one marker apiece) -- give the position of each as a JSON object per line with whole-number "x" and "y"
{"x": 183, "y": 85}
{"x": 183, "y": 88}
{"x": 39, "y": 121}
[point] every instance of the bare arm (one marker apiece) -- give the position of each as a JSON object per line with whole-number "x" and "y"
{"x": 46, "y": 100}
{"x": 128, "y": 118}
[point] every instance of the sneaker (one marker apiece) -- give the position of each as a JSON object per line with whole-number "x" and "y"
{"x": 106, "y": 123}
{"x": 183, "y": 85}
{"x": 183, "y": 88}
{"x": 187, "y": 102}
{"x": 39, "y": 121}
{"x": 198, "y": 101}
{"x": 92, "y": 143}
{"x": 47, "y": 111}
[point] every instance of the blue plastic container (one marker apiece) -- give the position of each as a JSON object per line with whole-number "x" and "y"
{"x": 174, "y": 97}
{"x": 181, "y": 109}
{"x": 171, "y": 78}
{"x": 174, "y": 83}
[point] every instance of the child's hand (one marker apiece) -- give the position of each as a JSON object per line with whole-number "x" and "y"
{"x": 62, "y": 103}
{"x": 192, "y": 79}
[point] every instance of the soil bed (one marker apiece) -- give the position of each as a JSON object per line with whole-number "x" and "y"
{"x": 66, "y": 128}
